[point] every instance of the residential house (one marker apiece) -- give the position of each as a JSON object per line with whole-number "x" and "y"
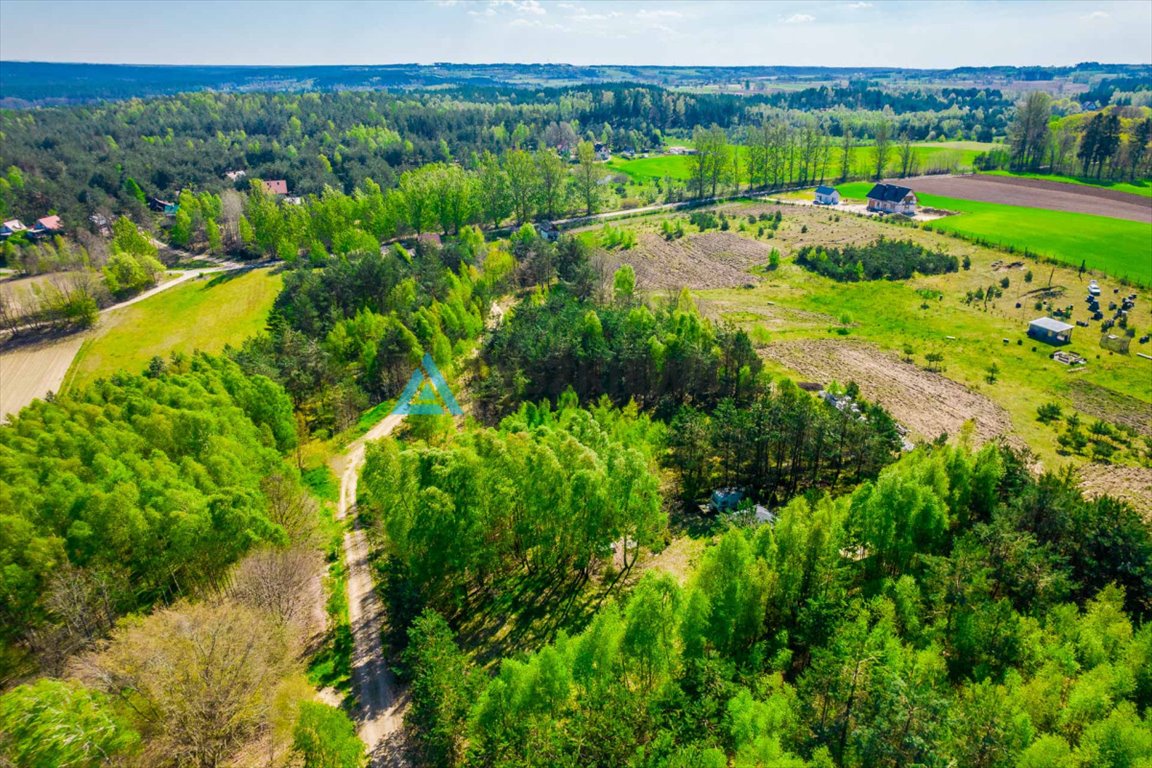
{"x": 47, "y": 226}
{"x": 11, "y": 227}
{"x": 1050, "y": 331}
{"x": 892, "y": 198}
{"x": 603, "y": 153}
{"x": 276, "y": 186}
{"x": 827, "y": 196}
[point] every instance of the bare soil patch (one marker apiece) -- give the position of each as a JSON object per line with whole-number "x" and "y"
{"x": 1130, "y": 484}
{"x": 1107, "y": 405}
{"x": 705, "y": 260}
{"x": 1037, "y": 193}
{"x": 926, "y": 402}
{"x": 29, "y": 371}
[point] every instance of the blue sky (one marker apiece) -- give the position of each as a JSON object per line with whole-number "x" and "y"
{"x": 691, "y": 32}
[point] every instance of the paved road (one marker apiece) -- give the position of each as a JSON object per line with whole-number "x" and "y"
{"x": 379, "y": 698}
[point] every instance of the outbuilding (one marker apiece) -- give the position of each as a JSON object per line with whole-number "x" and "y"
{"x": 11, "y": 227}
{"x": 827, "y": 196}
{"x": 1050, "y": 331}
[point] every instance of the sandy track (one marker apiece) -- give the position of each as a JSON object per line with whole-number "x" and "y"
{"x": 379, "y": 698}
{"x": 926, "y": 402}
{"x": 1037, "y": 193}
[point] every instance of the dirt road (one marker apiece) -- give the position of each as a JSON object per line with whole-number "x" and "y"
{"x": 378, "y": 695}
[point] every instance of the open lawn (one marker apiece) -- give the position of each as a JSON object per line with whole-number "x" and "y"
{"x": 1141, "y": 188}
{"x": 204, "y": 314}
{"x": 815, "y": 329}
{"x": 1116, "y": 247}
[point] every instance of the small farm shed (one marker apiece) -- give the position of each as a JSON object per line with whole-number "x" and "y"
{"x": 725, "y": 499}
{"x": 891, "y": 198}
{"x": 276, "y": 186}
{"x": 548, "y": 231}
{"x": 1050, "y": 331}
{"x": 827, "y": 196}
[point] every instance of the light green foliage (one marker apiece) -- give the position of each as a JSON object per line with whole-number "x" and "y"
{"x": 49, "y": 723}
{"x": 325, "y": 737}
{"x": 148, "y": 480}
{"x": 133, "y": 265}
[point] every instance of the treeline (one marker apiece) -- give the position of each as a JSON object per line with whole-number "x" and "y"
{"x": 545, "y": 498}
{"x": 956, "y": 611}
{"x": 882, "y": 259}
{"x": 77, "y": 161}
{"x": 1114, "y": 143}
{"x": 133, "y": 491}
{"x": 345, "y": 336}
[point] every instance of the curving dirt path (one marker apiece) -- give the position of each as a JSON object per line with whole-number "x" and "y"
{"x": 379, "y": 698}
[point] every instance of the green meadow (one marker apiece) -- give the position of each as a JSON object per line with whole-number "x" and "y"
{"x": 1117, "y": 247}
{"x": 204, "y": 314}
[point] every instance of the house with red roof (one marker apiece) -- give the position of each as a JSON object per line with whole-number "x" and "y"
{"x": 11, "y": 227}
{"x": 276, "y": 186}
{"x": 49, "y": 225}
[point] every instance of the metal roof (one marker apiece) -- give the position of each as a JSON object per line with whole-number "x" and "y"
{"x": 892, "y": 193}
{"x": 1048, "y": 324}
{"x": 822, "y": 190}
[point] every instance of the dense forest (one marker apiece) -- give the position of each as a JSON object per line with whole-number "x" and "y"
{"x": 956, "y": 611}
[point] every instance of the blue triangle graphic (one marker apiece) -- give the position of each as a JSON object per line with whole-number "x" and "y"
{"x": 419, "y": 395}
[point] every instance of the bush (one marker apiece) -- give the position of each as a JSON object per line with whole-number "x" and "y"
{"x": 880, "y": 260}
{"x": 326, "y": 738}
{"x": 1048, "y": 412}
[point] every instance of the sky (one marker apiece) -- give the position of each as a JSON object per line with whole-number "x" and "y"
{"x": 921, "y": 33}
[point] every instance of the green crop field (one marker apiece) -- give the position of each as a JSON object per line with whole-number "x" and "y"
{"x": 1142, "y": 188}
{"x": 1115, "y": 246}
{"x": 203, "y": 314}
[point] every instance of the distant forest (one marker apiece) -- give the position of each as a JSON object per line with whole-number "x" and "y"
{"x": 24, "y": 83}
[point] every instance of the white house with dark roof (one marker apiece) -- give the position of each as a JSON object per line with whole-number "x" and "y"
{"x": 891, "y": 198}
{"x": 827, "y": 196}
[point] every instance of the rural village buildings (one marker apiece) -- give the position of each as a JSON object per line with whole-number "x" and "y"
{"x": 891, "y": 198}
{"x": 11, "y": 227}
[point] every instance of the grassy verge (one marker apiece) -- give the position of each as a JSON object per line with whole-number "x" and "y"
{"x": 331, "y": 666}
{"x": 204, "y": 314}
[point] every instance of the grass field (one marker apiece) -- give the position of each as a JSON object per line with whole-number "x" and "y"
{"x": 1114, "y": 246}
{"x": 947, "y": 154}
{"x": 1141, "y": 188}
{"x": 203, "y": 314}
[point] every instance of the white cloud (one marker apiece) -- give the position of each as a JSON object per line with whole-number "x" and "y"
{"x": 859, "y": 6}
{"x": 799, "y": 18}
{"x": 1097, "y": 16}
{"x": 447, "y": 3}
{"x": 567, "y": 6}
{"x": 661, "y": 14}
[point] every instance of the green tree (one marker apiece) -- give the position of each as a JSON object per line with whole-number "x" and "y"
{"x": 587, "y": 177}
{"x": 324, "y": 737}
{"x": 441, "y": 690}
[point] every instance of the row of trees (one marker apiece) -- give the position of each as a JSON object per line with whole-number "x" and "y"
{"x": 1114, "y": 143}
{"x": 947, "y": 614}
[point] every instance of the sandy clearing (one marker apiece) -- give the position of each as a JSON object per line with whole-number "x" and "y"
{"x": 704, "y": 260}
{"x": 1036, "y": 193}
{"x": 1130, "y": 484}
{"x": 926, "y": 402}
{"x": 33, "y": 370}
